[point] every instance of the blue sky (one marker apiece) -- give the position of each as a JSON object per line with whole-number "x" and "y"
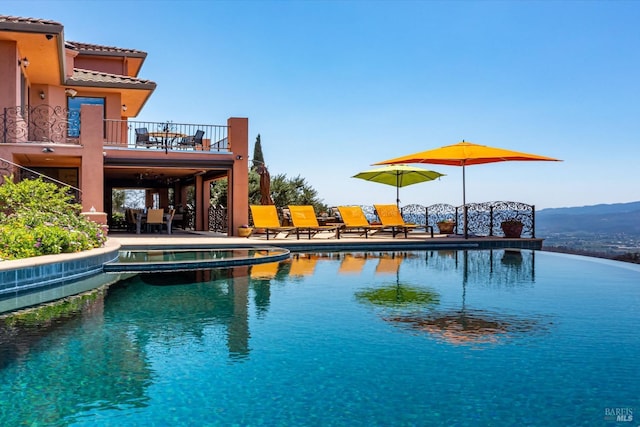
{"x": 334, "y": 86}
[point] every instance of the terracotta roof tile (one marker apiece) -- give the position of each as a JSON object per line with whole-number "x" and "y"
{"x": 22, "y": 20}
{"x": 33, "y": 25}
{"x": 99, "y": 49}
{"x": 82, "y": 77}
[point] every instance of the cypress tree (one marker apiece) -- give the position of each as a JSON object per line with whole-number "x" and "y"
{"x": 258, "y": 158}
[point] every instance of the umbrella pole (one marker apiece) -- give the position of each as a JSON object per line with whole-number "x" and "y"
{"x": 464, "y": 204}
{"x": 398, "y": 190}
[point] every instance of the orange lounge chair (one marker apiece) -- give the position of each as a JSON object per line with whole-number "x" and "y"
{"x": 355, "y": 220}
{"x": 390, "y": 217}
{"x": 304, "y": 217}
{"x": 266, "y": 217}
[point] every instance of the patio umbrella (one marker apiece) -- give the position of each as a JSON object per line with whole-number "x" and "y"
{"x": 265, "y": 185}
{"x": 465, "y": 154}
{"x": 398, "y": 176}
{"x": 396, "y": 295}
{"x": 466, "y": 325}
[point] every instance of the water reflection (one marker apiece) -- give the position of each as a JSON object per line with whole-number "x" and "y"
{"x": 504, "y": 268}
{"x": 113, "y": 344}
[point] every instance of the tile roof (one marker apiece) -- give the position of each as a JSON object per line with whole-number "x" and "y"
{"x": 22, "y": 20}
{"x": 82, "y": 77}
{"x": 88, "y": 48}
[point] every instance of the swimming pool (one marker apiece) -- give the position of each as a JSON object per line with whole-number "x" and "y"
{"x": 433, "y": 338}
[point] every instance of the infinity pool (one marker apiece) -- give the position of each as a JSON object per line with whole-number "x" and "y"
{"x": 435, "y": 338}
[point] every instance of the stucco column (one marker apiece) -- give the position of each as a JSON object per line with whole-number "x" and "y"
{"x": 92, "y": 162}
{"x": 238, "y": 197}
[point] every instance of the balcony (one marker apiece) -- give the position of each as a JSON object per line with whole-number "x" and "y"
{"x": 166, "y": 136}
{"x": 54, "y": 124}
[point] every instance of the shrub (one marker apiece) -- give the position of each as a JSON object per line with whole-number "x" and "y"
{"x": 38, "y": 218}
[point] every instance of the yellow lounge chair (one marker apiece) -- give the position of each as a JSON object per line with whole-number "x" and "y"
{"x": 390, "y": 217}
{"x": 354, "y": 220}
{"x": 266, "y": 217}
{"x": 352, "y": 264}
{"x": 304, "y": 217}
{"x": 302, "y": 265}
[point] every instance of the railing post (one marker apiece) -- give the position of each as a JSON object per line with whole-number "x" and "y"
{"x": 465, "y": 209}
{"x": 491, "y": 220}
{"x": 533, "y": 221}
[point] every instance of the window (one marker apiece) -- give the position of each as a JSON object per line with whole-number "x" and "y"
{"x": 73, "y": 105}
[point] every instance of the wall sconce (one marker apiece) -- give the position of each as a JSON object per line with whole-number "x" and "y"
{"x": 238, "y": 157}
{"x": 124, "y": 107}
{"x": 24, "y": 62}
{"x": 41, "y": 94}
{"x": 49, "y": 36}
{"x": 71, "y": 92}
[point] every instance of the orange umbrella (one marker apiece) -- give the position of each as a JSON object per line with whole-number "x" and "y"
{"x": 464, "y": 154}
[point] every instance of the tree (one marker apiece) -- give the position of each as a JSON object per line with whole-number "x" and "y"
{"x": 284, "y": 191}
{"x": 258, "y": 157}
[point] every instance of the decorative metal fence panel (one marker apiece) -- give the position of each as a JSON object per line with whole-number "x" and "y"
{"x": 41, "y": 123}
{"x": 218, "y": 219}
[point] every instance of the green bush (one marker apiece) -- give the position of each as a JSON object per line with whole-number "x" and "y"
{"x": 39, "y": 218}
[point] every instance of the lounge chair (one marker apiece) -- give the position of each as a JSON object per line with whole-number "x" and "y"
{"x": 304, "y": 217}
{"x": 390, "y": 217}
{"x": 355, "y": 220}
{"x": 266, "y": 217}
{"x": 352, "y": 264}
{"x": 302, "y": 265}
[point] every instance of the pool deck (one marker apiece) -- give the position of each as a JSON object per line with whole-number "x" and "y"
{"x": 379, "y": 241}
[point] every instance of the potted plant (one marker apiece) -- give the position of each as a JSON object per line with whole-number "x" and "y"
{"x": 446, "y": 226}
{"x": 244, "y": 230}
{"x": 512, "y": 228}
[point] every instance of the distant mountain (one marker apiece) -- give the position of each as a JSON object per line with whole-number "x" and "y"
{"x": 610, "y": 219}
{"x": 615, "y": 208}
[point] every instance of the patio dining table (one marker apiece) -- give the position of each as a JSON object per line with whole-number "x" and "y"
{"x": 167, "y": 139}
{"x": 140, "y": 217}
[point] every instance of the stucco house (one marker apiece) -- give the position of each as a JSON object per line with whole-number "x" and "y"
{"x": 67, "y": 112}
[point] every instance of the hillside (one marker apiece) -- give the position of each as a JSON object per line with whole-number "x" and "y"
{"x": 614, "y": 218}
{"x": 600, "y": 230}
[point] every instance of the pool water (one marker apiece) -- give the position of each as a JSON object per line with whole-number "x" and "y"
{"x": 419, "y": 338}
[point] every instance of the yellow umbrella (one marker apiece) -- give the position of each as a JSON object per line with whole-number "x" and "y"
{"x": 465, "y": 154}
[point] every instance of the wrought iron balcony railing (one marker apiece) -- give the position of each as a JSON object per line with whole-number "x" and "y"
{"x": 166, "y": 136}
{"x": 41, "y": 123}
{"x": 56, "y": 124}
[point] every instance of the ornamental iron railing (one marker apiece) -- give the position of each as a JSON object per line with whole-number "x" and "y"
{"x": 41, "y": 123}
{"x": 218, "y": 219}
{"x": 167, "y": 136}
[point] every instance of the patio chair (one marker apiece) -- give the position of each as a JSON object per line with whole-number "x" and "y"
{"x": 355, "y": 220}
{"x": 192, "y": 141}
{"x": 155, "y": 219}
{"x": 266, "y": 217}
{"x": 169, "y": 220}
{"x": 390, "y": 217}
{"x": 304, "y": 217}
{"x": 142, "y": 138}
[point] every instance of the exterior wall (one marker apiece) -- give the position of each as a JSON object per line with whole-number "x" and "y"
{"x": 105, "y": 65}
{"x": 238, "y": 197}
{"x": 9, "y": 75}
{"x": 92, "y": 163}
